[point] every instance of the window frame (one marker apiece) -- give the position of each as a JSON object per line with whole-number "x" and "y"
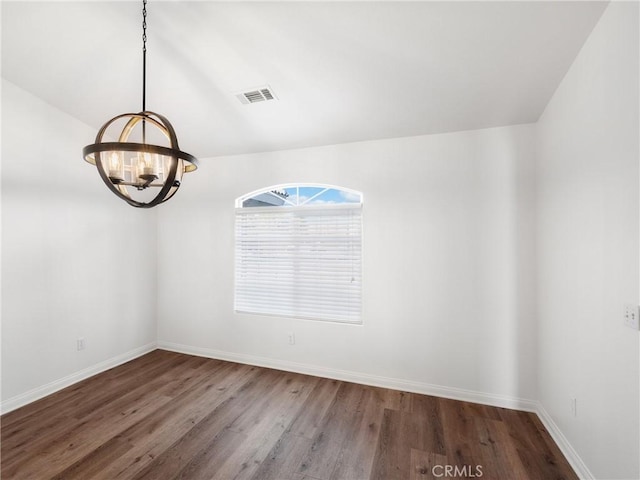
{"x": 350, "y": 316}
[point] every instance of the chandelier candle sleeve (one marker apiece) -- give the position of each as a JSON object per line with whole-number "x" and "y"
{"x": 143, "y": 173}
{"x": 116, "y": 168}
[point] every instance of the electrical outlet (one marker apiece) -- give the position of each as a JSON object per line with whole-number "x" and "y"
{"x": 292, "y": 338}
{"x": 632, "y": 316}
{"x": 80, "y": 344}
{"x": 574, "y": 406}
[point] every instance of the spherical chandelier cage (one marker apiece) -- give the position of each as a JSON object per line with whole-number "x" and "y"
{"x": 141, "y": 173}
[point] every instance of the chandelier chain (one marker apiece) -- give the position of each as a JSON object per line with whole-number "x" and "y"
{"x": 144, "y": 25}
{"x": 144, "y": 65}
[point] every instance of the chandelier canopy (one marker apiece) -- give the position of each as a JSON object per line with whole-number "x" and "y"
{"x": 145, "y": 165}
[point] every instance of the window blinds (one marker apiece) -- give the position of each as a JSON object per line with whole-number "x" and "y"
{"x": 300, "y": 262}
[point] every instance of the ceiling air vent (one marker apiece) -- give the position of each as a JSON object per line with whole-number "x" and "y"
{"x": 261, "y": 94}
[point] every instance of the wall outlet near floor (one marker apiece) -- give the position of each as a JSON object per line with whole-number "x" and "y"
{"x": 574, "y": 406}
{"x": 632, "y": 316}
{"x": 292, "y": 338}
{"x": 80, "y": 343}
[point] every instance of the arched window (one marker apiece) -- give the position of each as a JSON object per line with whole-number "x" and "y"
{"x": 299, "y": 253}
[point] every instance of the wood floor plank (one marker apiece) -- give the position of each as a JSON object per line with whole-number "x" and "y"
{"x": 302, "y": 476}
{"x": 459, "y": 432}
{"x": 173, "y": 416}
{"x": 398, "y": 400}
{"x": 356, "y": 457}
{"x": 417, "y": 428}
{"x": 427, "y": 465}
{"x": 398, "y": 435}
{"x": 496, "y": 454}
{"x": 344, "y": 414}
{"x": 263, "y": 424}
{"x": 315, "y": 408}
{"x": 207, "y": 462}
{"x": 426, "y": 409}
{"x": 284, "y": 458}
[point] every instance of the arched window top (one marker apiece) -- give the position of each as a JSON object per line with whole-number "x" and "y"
{"x": 299, "y": 195}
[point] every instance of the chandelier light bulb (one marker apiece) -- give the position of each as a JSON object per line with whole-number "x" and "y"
{"x": 147, "y": 170}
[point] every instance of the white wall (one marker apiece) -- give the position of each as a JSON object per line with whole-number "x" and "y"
{"x": 496, "y": 261}
{"x": 448, "y": 263}
{"x": 76, "y": 261}
{"x": 588, "y": 248}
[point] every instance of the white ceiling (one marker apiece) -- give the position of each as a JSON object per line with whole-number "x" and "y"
{"x": 342, "y": 71}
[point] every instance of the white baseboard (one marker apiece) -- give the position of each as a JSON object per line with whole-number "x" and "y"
{"x": 565, "y": 447}
{"x": 357, "y": 377}
{"x": 52, "y": 387}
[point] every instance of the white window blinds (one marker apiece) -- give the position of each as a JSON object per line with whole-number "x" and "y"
{"x": 302, "y": 262}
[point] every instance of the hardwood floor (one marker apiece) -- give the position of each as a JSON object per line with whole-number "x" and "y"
{"x": 172, "y": 416}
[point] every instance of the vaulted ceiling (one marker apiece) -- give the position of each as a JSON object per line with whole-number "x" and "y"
{"x": 341, "y": 71}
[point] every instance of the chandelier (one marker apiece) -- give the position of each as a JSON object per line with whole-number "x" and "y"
{"x": 144, "y": 167}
